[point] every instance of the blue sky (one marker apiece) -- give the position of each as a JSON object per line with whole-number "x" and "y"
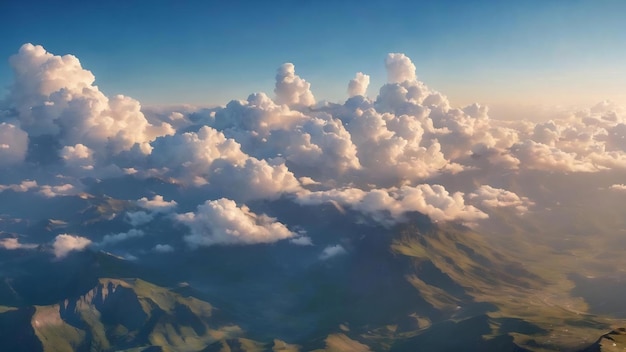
{"x": 208, "y": 52}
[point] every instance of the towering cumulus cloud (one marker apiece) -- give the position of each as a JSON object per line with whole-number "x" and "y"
{"x": 358, "y": 85}
{"x": 291, "y": 89}
{"x": 408, "y": 149}
{"x": 54, "y": 96}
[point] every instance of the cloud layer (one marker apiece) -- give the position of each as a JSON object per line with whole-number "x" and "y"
{"x": 405, "y": 150}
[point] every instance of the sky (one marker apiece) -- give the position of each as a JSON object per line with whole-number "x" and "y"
{"x": 500, "y": 53}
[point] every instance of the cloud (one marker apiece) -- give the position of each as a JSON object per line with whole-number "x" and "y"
{"x": 358, "y": 85}
{"x": 23, "y": 186}
{"x": 120, "y": 237}
{"x": 389, "y": 206}
{"x": 302, "y": 241}
{"x": 53, "y": 95}
{"x": 405, "y": 150}
{"x": 223, "y": 222}
{"x": 399, "y": 68}
{"x": 618, "y": 187}
{"x": 56, "y": 191}
{"x": 332, "y": 251}
{"x": 291, "y": 89}
{"x": 157, "y": 204}
{"x": 495, "y": 197}
{"x": 13, "y": 144}
{"x": 139, "y": 218}
{"x": 14, "y": 243}
{"x": 64, "y": 244}
{"x": 163, "y": 248}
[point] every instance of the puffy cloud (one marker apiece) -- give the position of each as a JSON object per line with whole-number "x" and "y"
{"x": 540, "y": 156}
{"x": 78, "y": 155}
{"x": 54, "y": 95}
{"x": 390, "y": 205}
{"x": 120, "y": 237}
{"x": 618, "y": 187}
{"x": 208, "y": 157}
{"x": 163, "y": 248}
{"x": 157, "y": 204}
{"x": 223, "y": 222}
{"x": 382, "y": 157}
{"x": 291, "y": 89}
{"x": 64, "y": 244}
{"x": 59, "y": 190}
{"x": 139, "y": 218}
{"x": 332, "y": 251}
{"x": 495, "y": 197}
{"x": 14, "y": 243}
{"x": 302, "y": 241}
{"x": 13, "y": 144}
{"x": 399, "y": 68}
{"x": 358, "y": 85}
{"x": 23, "y": 186}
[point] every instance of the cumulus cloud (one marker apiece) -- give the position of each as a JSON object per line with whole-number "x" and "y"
{"x": 13, "y": 144}
{"x": 223, "y": 222}
{"x": 23, "y": 186}
{"x": 54, "y": 95}
{"x": 385, "y": 156}
{"x": 332, "y": 251}
{"x": 163, "y": 248}
{"x": 120, "y": 237}
{"x": 157, "y": 204}
{"x": 64, "y": 244}
{"x": 14, "y": 243}
{"x": 399, "y": 68}
{"x": 496, "y": 197}
{"x": 618, "y": 187}
{"x": 390, "y": 205}
{"x": 291, "y": 89}
{"x": 358, "y": 85}
{"x": 208, "y": 157}
{"x": 302, "y": 241}
{"x": 138, "y": 218}
{"x": 59, "y": 190}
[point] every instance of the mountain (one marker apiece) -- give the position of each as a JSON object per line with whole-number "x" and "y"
{"x": 417, "y": 285}
{"x": 116, "y": 315}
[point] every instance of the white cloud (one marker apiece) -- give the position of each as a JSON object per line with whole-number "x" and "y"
{"x": 291, "y": 89}
{"x": 120, "y": 237}
{"x": 64, "y": 244}
{"x": 302, "y": 241}
{"x": 358, "y": 85}
{"x": 157, "y": 204}
{"x": 223, "y": 222}
{"x": 139, "y": 218}
{"x": 54, "y": 95}
{"x": 14, "y": 243}
{"x": 618, "y": 187}
{"x": 495, "y": 197}
{"x": 384, "y": 157}
{"x": 332, "y": 251}
{"x": 390, "y": 205}
{"x": 56, "y": 191}
{"x": 399, "y": 68}
{"x": 13, "y": 144}
{"x": 23, "y": 186}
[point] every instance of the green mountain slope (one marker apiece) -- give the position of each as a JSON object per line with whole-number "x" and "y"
{"x": 116, "y": 315}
